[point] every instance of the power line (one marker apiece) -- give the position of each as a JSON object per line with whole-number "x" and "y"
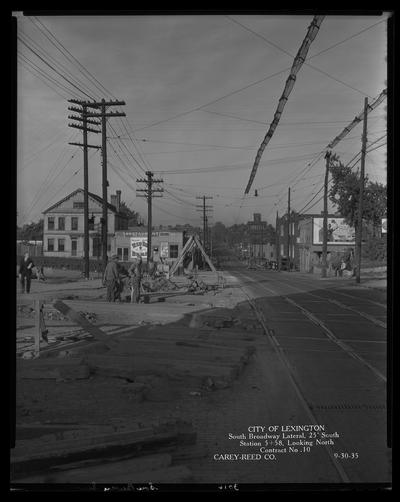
{"x": 45, "y": 78}
{"x": 197, "y": 108}
{"x": 54, "y": 69}
{"x": 291, "y": 55}
{"x": 61, "y": 67}
{"x": 297, "y": 64}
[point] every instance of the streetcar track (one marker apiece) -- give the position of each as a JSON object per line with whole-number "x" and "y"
{"x": 346, "y": 348}
{"x": 382, "y": 305}
{"x": 370, "y": 318}
{"x": 291, "y": 373}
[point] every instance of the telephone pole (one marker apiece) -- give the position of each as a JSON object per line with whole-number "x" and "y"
{"x": 288, "y": 231}
{"x": 103, "y": 114}
{"x": 325, "y": 222}
{"x": 278, "y": 261}
{"x": 149, "y": 193}
{"x": 204, "y": 209}
{"x": 360, "y": 201}
{"x": 82, "y": 117}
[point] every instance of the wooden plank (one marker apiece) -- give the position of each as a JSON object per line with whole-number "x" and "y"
{"x": 25, "y": 461}
{"x": 106, "y": 472}
{"x": 114, "y": 473}
{"x": 82, "y": 321}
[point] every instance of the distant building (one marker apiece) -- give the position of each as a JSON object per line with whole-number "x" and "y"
{"x": 64, "y": 221}
{"x": 291, "y": 234}
{"x": 260, "y": 245}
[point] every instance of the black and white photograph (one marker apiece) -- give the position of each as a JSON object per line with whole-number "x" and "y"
{"x": 203, "y": 241}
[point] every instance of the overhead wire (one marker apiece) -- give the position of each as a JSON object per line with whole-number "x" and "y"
{"x": 291, "y": 55}
{"x": 231, "y": 93}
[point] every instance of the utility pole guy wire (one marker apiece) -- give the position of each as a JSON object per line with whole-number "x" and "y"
{"x": 297, "y": 64}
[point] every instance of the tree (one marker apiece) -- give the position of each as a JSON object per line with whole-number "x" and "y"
{"x": 31, "y": 231}
{"x": 132, "y": 215}
{"x": 345, "y": 194}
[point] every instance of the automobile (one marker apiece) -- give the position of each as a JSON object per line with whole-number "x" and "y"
{"x": 284, "y": 264}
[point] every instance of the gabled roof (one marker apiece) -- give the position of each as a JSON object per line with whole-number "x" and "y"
{"x": 93, "y": 196}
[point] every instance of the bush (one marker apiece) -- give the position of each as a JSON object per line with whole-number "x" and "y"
{"x": 375, "y": 249}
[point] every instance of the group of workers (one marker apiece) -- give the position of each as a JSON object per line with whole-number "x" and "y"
{"x": 114, "y": 278}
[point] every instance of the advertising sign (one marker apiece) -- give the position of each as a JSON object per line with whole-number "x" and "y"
{"x": 139, "y": 247}
{"x": 384, "y": 225}
{"x": 164, "y": 250}
{"x": 339, "y": 232}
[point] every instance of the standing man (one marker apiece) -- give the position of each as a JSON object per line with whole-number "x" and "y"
{"x": 135, "y": 272}
{"x": 25, "y": 272}
{"x": 111, "y": 279}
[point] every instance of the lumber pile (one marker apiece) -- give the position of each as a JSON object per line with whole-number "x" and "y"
{"x": 142, "y": 455}
{"x": 176, "y": 353}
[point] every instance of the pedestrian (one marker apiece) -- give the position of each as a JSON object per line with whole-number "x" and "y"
{"x": 40, "y": 274}
{"x": 25, "y": 272}
{"x": 135, "y": 272}
{"x": 151, "y": 269}
{"x": 111, "y": 279}
{"x": 342, "y": 267}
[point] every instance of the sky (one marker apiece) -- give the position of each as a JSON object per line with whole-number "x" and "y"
{"x": 200, "y": 92}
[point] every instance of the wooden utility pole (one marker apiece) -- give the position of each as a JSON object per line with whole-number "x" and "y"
{"x": 325, "y": 221}
{"x": 204, "y": 209}
{"x": 278, "y": 261}
{"x": 101, "y": 107}
{"x": 359, "y": 228}
{"x": 149, "y": 193}
{"x": 288, "y": 231}
{"x": 85, "y": 129}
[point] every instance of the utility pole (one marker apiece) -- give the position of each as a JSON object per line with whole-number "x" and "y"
{"x": 288, "y": 230}
{"x": 278, "y": 261}
{"x": 149, "y": 193}
{"x": 101, "y": 107}
{"x": 325, "y": 221}
{"x": 85, "y": 129}
{"x": 360, "y": 202}
{"x": 204, "y": 209}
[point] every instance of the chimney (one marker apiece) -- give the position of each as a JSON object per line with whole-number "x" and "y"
{"x": 113, "y": 200}
{"x": 118, "y": 204}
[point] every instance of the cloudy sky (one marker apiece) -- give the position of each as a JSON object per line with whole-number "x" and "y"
{"x": 200, "y": 93}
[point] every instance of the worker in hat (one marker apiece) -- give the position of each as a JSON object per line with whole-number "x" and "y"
{"x": 111, "y": 279}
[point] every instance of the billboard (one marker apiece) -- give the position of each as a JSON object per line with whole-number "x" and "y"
{"x": 164, "y": 250}
{"x": 339, "y": 232}
{"x": 139, "y": 247}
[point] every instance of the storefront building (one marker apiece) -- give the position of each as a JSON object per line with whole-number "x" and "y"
{"x": 166, "y": 245}
{"x": 341, "y": 242}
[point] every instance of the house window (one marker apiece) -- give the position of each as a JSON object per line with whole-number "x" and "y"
{"x": 50, "y": 223}
{"x": 173, "y": 250}
{"x": 61, "y": 223}
{"x": 74, "y": 247}
{"x": 78, "y": 205}
{"x": 61, "y": 244}
{"x": 74, "y": 223}
{"x": 281, "y": 230}
{"x": 126, "y": 254}
{"x": 50, "y": 244}
{"x": 119, "y": 253}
